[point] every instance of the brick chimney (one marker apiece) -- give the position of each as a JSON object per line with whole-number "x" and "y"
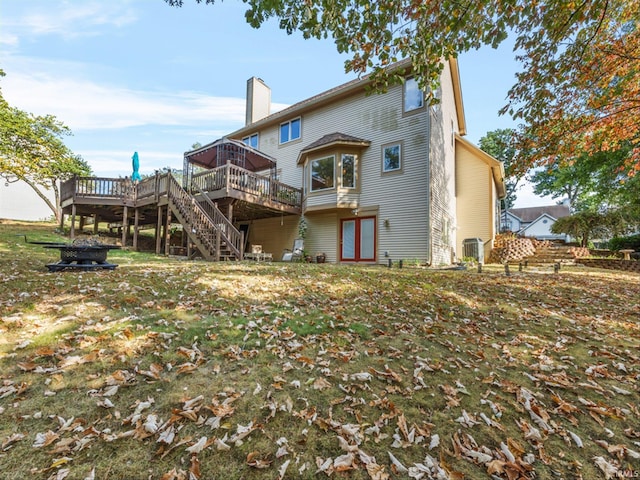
{"x": 258, "y": 100}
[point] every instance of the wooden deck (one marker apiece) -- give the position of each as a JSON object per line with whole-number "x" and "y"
{"x": 260, "y": 196}
{"x": 241, "y": 194}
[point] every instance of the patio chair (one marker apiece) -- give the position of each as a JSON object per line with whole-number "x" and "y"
{"x": 296, "y": 253}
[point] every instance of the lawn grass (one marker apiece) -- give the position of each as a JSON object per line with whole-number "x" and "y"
{"x": 163, "y": 369}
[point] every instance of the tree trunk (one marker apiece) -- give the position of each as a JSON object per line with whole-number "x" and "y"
{"x": 36, "y": 188}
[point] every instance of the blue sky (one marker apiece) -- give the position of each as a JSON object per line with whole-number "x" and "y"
{"x": 141, "y": 76}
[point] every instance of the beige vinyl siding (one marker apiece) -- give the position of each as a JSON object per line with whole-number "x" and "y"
{"x": 444, "y": 123}
{"x": 476, "y": 196}
{"x": 322, "y": 235}
{"x": 274, "y": 234}
{"x": 402, "y": 197}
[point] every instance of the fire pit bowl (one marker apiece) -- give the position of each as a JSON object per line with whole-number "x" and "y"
{"x": 83, "y": 254}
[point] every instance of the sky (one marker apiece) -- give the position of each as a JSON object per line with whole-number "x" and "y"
{"x": 139, "y": 75}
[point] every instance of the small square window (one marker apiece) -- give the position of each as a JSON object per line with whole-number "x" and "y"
{"x": 413, "y": 96}
{"x": 290, "y": 130}
{"x": 391, "y": 158}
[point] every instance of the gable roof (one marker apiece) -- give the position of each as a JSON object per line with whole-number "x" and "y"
{"x": 530, "y": 214}
{"x": 347, "y": 89}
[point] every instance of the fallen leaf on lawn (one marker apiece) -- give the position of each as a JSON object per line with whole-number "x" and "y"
{"x": 321, "y": 383}
{"x": 198, "y": 446}
{"x": 609, "y": 469}
{"x": 60, "y": 474}
{"x": 344, "y": 462}
{"x": 10, "y": 440}
{"x": 45, "y": 439}
{"x": 194, "y": 468}
{"x": 256, "y": 460}
{"x": 283, "y": 469}
{"x": 398, "y": 467}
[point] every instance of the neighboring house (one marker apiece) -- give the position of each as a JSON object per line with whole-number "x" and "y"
{"x": 535, "y": 222}
{"x": 377, "y": 177}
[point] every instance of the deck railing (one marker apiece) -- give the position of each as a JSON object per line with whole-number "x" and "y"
{"x": 226, "y": 178}
{"x": 231, "y": 177}
{"x": 86, "y": 187}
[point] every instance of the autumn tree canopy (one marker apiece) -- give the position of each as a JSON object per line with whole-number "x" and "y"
{"x": 32, "y": 151}
{"x": 579, "y": 85}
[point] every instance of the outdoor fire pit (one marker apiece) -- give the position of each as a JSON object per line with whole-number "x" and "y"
{"x": 81, "y": 254}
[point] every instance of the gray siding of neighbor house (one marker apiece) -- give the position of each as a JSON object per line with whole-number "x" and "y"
{"x": 399, "y": 197}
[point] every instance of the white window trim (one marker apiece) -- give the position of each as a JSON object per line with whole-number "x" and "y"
{"x": 290, "y": 139}
{"x": 390, "y": 145}
{"x": 244, "y": 140}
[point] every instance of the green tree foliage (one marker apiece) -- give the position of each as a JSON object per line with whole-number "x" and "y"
{"x": 501, "y": 144}
{"x": 588, "y": 225}
{"x": 600, "y": 181}
{"x": 32, "y": 151}
{"x": 579, "y": 85}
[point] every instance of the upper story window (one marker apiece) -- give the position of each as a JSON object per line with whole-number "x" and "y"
{"x": 412, "y": 95}
{"x": 251, "y": 140}
{"x": 323, "y": 173}
{"x": 290, "y": 130}
{"x": 391, "y": 157}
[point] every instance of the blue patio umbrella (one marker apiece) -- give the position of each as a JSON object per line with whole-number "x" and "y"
{"x": 135, "y": 176}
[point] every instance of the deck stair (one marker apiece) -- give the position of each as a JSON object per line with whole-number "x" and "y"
{"x": 206, "y": 226}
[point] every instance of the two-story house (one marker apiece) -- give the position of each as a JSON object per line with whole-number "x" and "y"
{"x": 374, "y": 177}
{"x": 383, "y": 176}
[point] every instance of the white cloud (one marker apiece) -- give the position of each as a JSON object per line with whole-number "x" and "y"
{"x": 87, "y": 105}
{"x": 72, "y": 19}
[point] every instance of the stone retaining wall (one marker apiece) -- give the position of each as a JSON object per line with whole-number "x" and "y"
{"x": 610, "y": 264}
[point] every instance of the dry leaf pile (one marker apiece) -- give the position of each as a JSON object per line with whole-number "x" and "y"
{"x": 173, "y": 370}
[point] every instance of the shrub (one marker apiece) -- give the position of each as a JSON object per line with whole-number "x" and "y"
{"x": 620, "y": 243}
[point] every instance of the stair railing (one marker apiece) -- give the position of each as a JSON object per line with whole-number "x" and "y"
{"x": 209, "y": 231}
{"x": 233, "y": 237}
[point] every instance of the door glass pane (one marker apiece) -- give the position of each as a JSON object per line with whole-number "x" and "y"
{"x": 349, "y": 240}
{"x": 367, "y": 243}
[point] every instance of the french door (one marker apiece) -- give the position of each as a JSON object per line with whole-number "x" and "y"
{"x": 358, "y": 239}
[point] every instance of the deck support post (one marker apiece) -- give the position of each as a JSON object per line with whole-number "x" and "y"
{"x": 81, "y": 222}
{"x": 136, "y": 228}
{"x": 96, "y": 220}
{"x": 125, "y": 225}
{"x": 72, "y": 232}
{"x": 167, "y": 233}
{"x": 62, "y": 221}
{"x": 230, "y": 212}
{"x": 158, "y": 228}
